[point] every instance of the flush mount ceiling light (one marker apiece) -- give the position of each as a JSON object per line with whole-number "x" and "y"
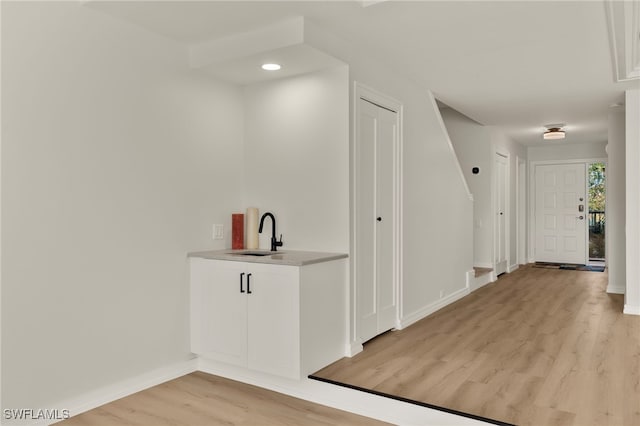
{"x": 554, "y": 131}
{"x": 271, "y": 67}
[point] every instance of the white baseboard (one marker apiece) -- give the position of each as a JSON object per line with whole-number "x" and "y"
{"x": 432, "y": 307}
{"x": 353, "y": 349}
{"x": 470, "y": 278}
{"x": 482, "y": 280}
{"x": 338, "y": 397}
{"x": 631, "y": 310}
{"x": 124, "y": 388}
{"x": 362, "y": 403}
{"x": 512, "y": 268}
{"x": 615, "y": 289}
{"x": 342, "y": 398}
{"x": 487, "y": 265}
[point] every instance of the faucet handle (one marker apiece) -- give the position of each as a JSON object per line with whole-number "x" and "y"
{"x": 278, "y": 243}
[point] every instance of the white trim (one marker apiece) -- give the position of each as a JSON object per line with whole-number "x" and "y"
{"x": 362, "y": 91}
{"x": 432, "y": 307}
{"x": 341, "y": 398}
{"x": 531, "y": 216}
{"x": 615, "y": 289}
{"x": 443, "y": 128}
{"x": 572, "y": 161}
{"x": 521, "y": 195}
{"x": 106, "y": 394}
{"x": 512, "y": 268}
{"x": 482, "y": 280}
{"x": 470, "y": 278}
{"x": 622, "y": 25}
{"x": 353, "y": 348}
{"x": 487, "y": 265}
{"x": 362, "y": 403}
{"x": 631, "y": 310}
{"x": 399, "y": 240}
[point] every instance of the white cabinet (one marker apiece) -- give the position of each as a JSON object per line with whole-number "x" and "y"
{"x": 283, "y": 320}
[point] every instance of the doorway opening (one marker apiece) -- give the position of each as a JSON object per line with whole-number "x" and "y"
{"x": 597, "y": 220}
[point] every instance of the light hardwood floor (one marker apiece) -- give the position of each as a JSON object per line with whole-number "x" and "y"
{"x": 537, "y": 347}
{"x": 200, "y": 399}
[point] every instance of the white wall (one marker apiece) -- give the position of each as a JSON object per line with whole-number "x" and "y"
{"x": 437, "y": 218}
{"x": 632, "y": 131}
{"x": 616, "y": 202}
{"x": 297, "y": 158}
{"x": 472, "y": 143}
{"x": 116, "y": 160}
{"x": 559, "y": 151}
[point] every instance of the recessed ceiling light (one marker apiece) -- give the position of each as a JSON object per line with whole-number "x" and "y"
{"x": 271, "y": 67}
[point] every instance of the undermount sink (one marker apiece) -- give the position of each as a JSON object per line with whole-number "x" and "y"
{"x": 253, "y": 253}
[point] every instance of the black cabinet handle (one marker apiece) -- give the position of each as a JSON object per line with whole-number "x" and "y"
{"x": 379, "y": 219}
{"x": 241, "y": 288}
{"x": 248, "y": 283}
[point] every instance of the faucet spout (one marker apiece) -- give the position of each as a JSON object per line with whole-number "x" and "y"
{"x": 274, "y": 242}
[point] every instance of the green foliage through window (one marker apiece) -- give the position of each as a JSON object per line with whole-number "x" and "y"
{"x": 596, "y": 187}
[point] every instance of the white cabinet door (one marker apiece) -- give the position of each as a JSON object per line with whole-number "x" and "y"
{"x": 247, "y": 314}
{"x": 274, "y": 320}
{"x": 219, "y": 310}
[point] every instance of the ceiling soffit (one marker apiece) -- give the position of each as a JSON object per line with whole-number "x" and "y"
{"x": 623, "y": 19}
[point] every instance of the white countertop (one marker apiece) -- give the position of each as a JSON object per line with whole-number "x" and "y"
{"x": 284, "y": 257}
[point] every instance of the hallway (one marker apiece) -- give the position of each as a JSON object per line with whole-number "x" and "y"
{"x": 537, "y": 347}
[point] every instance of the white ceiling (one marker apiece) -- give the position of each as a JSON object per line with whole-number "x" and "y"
{"x": 514, "y": 64}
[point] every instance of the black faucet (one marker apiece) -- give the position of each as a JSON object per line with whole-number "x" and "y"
{"x": 274, "y": 242}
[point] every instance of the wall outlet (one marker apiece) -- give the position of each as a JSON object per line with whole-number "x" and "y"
{"x": 218, "y": 232}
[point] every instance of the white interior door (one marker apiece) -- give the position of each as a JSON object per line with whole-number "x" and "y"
{"x": 376, "y": 300}
{"x": 560, "y": 212}
{"x": 385, "y": 146}
{"x": 500, "y": 212}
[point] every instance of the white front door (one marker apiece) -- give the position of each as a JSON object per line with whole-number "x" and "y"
{"x": 560, "y": 212}
{"x": 376, "y": 299}
{"x": 500, "y": 213}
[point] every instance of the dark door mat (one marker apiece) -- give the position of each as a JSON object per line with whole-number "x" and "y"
{"x": 411, "y": 401}
{"x": 568, "y": 266}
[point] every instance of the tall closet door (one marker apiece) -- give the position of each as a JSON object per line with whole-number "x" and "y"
{"x": 500, "y": 214}
{"x": 376, "y": 147}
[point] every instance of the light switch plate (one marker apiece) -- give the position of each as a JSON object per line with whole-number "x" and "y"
{"x": 218, "y": 232}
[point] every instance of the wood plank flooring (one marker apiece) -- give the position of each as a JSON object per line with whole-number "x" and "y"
{"x": 202, "y": 399}
{"x": 537, "y": 347}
